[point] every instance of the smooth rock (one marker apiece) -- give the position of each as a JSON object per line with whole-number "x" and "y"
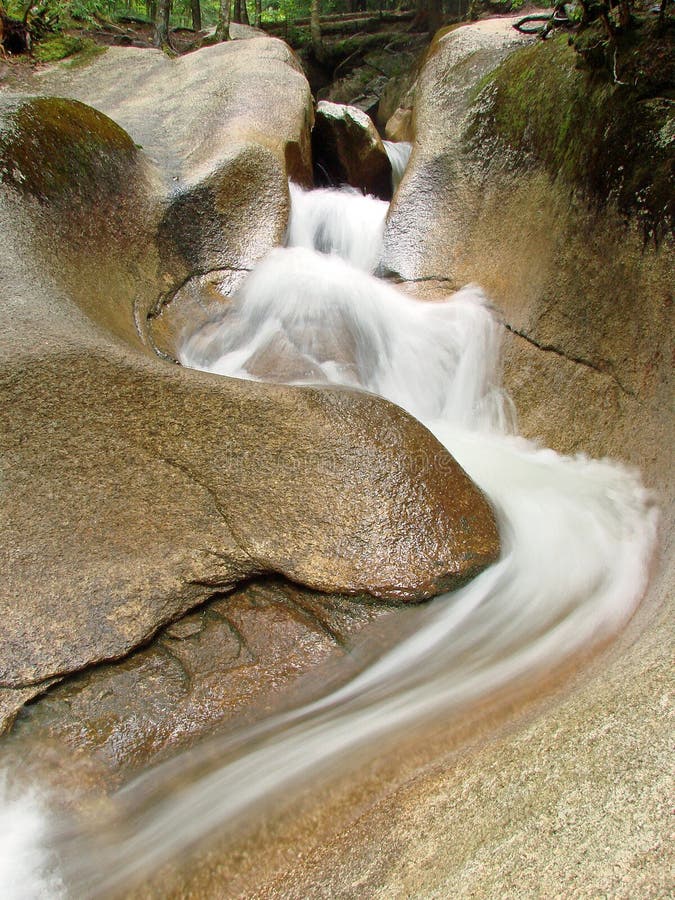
{"x": 430, "y": 207}
{"x": 400, "y": 125}
{"x": 133, "y": 489}
{"x": 222, "y": 666}
{"x": 574, "y": 801}
{"x": 226, "y": 126}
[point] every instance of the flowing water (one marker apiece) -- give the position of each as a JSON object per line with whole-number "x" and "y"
{"x": 399, "y": 154}
{"x": 576, "y": 535}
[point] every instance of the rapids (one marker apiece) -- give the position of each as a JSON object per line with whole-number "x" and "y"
{"x": 577, "y": 535}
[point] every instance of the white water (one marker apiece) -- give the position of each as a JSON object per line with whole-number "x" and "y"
{"x": 576, "y": 533}
{"x": 27, "y": 866}
{"x": 343, "y": 223}
{"x": 399, "y": 154}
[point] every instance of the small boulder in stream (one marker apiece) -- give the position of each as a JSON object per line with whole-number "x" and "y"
{"x": 348, "y": 150}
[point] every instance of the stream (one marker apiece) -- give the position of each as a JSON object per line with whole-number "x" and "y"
{"x": 577, "y": 535}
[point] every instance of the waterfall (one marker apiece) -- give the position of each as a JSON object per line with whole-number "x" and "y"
{"x": 576, "y": 533}
{"x": 342, "y": 222}
{"x": 339, "y": 325}
{"x": 399, "y": 154}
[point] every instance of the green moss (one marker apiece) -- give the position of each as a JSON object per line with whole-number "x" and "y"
{"x": 78, "y": 50}
{"x": 603, "y": 139}
{"x": 52, "y": 148}
{"x": 56, "y": 47}
{"x": 86, "y": 54}
{"x": 209, "y": 40}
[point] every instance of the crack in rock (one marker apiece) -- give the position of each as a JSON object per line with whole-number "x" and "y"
{"x": 167, "y": 298}
{"x": 602, "y": 368}
{"x": 258, "y": 566}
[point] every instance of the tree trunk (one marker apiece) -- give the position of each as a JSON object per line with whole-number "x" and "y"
{"x": 662, "y": 12}
{"x": 196, "y": 9}
{"x": 236, "y": 11}
{"x": 244, "y": 13}
{"x": 223, "y": 26}
{"x": 161, "y": 35}
{"x": 421, "y": 18}
{"x": 315, "y": 31}
{"x": 435, "y": 16}
{"x": 258, "y": 13}
{"x": 624, "y": 14}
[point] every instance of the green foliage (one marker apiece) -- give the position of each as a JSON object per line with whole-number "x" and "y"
{"x": 14, "y": 9}
{"x": 55, "y": 15}
{"x": 88, "y": 51}
{"x": 65, "y": 14}
{"x": 478, "y": 8}
{"x": 56, "y": 47}
{"x": 86, "y": 10}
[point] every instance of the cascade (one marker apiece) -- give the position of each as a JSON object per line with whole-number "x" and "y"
{"x": 576, "y": 535}
{"x": 343, "y": 223}
{"x": 399, "y": 154}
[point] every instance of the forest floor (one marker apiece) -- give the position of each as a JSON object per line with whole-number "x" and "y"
{"x": 77, "y": 43}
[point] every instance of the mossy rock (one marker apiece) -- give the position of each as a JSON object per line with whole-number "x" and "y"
{"x": 77, "y": 50}
{"x": 56, "y": 47}
{"x": 87, "y": 52}
{"x": 35, "y": 132}
{"x": 604, "y": 139}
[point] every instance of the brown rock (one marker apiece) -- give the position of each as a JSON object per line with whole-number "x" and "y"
{"x": 430, "y": 207}
{"x": 566, "y": 278}
{"x": 578, "y": 795}
{"x": 135, "y": 489}
{"x": 348, "y": 150}
{"x": 225, "y": 665}
{"x": 397, "y": 99}
{"x": 226, "y": 126}
{"x": 400, "y": 126}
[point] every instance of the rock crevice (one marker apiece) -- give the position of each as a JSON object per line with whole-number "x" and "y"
{"x": 602, "y": 368}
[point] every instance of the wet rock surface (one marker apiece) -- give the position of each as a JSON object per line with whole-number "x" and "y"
{"x": 227, "y": 665}
{"x": 586, "y": 303}
{"x": 575, "y": 798}
{"x": 134, "y": 490}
